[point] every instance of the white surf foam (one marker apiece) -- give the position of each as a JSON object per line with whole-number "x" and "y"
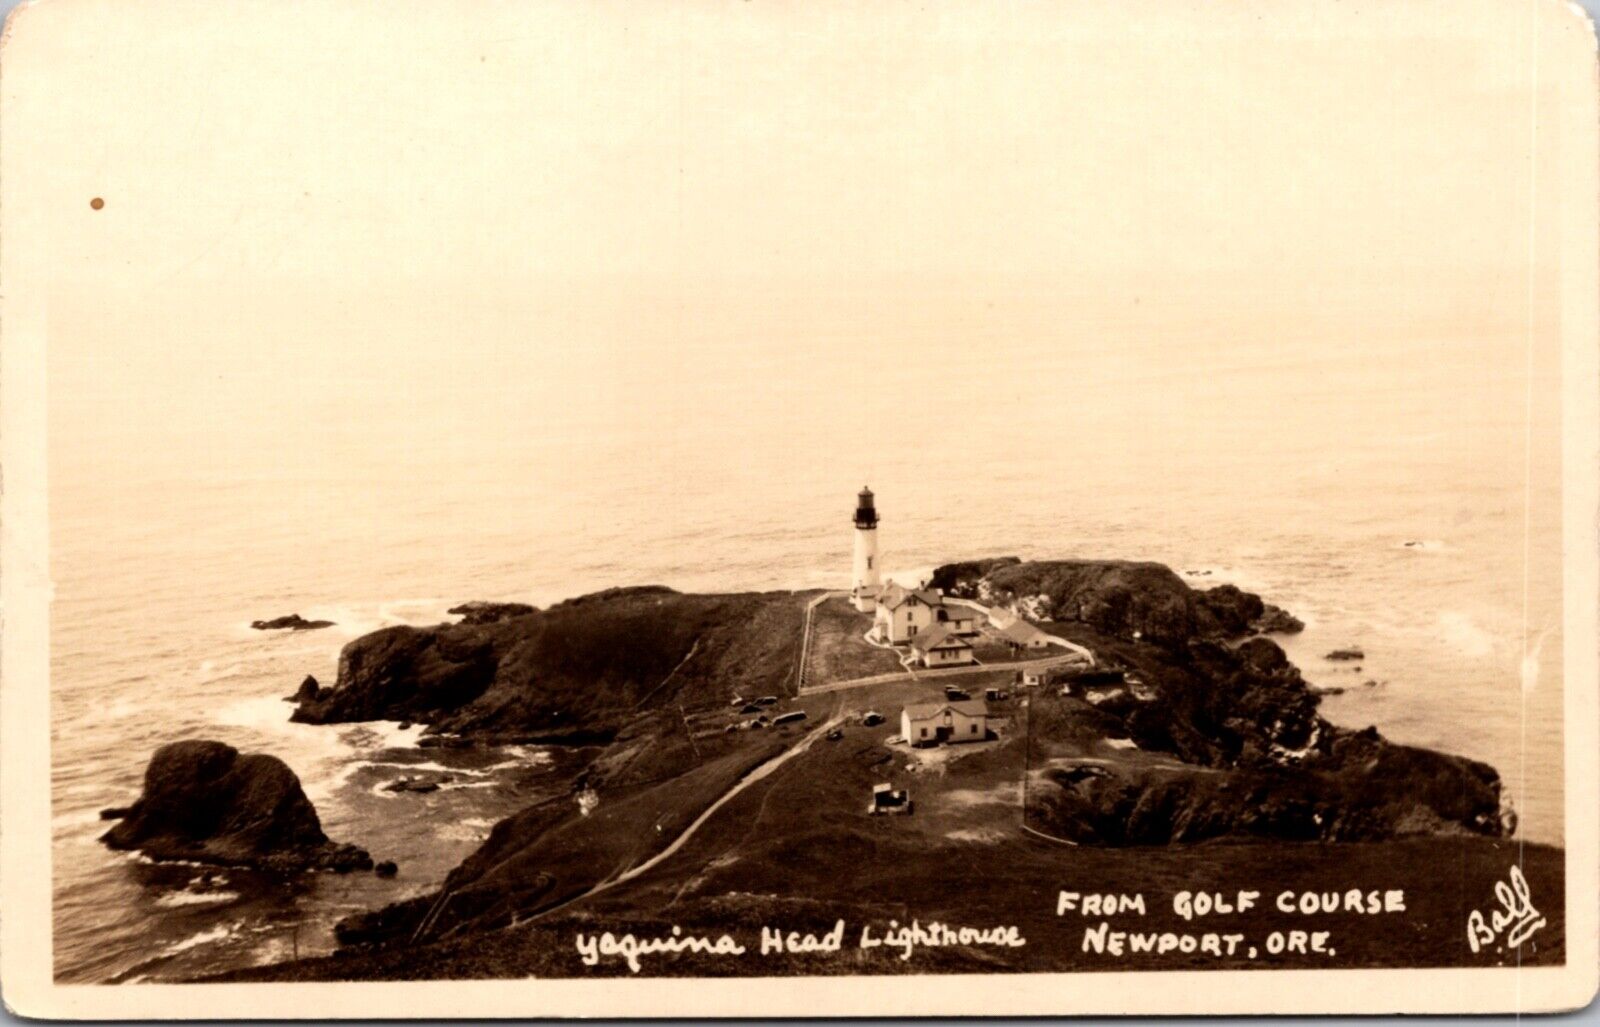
{"x": 177, "y": 899}
{"x": 208, "y": 937}
{"x": 472, "y": 829}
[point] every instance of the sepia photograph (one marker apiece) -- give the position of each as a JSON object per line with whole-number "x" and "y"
{"x": 746, "y": 508}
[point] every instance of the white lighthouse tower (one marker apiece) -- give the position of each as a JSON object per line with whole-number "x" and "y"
{"x": 864, "y": 576}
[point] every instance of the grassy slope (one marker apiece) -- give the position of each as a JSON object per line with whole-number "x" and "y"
{"x": 838, "y": 652}
{"x": 797, "y": 851}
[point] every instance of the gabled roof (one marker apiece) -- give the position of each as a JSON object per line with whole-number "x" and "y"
{"x": 938, "y": 636}
{"x": 1020, "y": 630}
{"x": 965, "y": 707}
{"x": 895, "y": 595}
{"x": 955, "y": 612}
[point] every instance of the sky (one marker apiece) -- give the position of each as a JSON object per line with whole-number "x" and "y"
{"x": 300, "y": 202}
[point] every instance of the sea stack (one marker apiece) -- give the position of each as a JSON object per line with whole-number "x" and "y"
{"x": 205, "y": 802}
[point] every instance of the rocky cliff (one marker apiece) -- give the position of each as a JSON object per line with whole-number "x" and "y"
{"x": 580, "y": 671}
{"x": 1210, "y": 740}
{"x": 1201, "y": 685}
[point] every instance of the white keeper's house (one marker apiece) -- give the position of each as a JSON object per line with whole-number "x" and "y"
{"x": 902, "y": 613}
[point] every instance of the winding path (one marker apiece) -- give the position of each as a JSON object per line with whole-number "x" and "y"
{"x": 757, "y": 773}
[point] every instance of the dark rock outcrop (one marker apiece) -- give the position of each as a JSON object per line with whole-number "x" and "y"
{"x": 1350, "y": 654}
{"x": 293, "y": 622}
{"x": 1121, "y": 598}
{"x": 1347, "y": 794}
{"x": 479, "y": 612}
{"x": 962, "y": 579}
{"x": 308, "y": 691}
{"x": 1277, "y": 621}
{"x": 204, "y": 802}
{"x": 406, "y": 673}
{"x": 423, "y": 783}
{"x": 1261, "y": 761}
{"x": 1227, "y": 611}
{"x": 578, "y": 672}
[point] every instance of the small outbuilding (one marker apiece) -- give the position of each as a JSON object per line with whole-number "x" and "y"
{"x": 964, "y": 720}
{"x": 1020, "y": 635}
{"x": 1034, "y": 677}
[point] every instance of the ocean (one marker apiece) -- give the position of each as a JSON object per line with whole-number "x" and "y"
{"x": 1390, "y": 492}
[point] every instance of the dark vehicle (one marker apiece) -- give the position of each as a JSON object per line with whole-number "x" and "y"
{"x": 792, "y": 717}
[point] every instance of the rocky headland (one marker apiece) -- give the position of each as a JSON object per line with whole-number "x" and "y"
{"x": 1200, "y": 682}
{"x": 1121, "y": 598}
{"x": 204, "y": 802}
{"x": 585, "y": 671}
{"x": 1195, "y": 727}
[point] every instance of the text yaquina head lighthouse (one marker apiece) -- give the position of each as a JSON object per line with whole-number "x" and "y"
{"x": 864, "y": 576}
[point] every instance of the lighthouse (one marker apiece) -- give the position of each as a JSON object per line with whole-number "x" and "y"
{"x": 864, "y": 575}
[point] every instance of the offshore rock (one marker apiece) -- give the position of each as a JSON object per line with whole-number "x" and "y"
{"x": 206, "y": 803}
{"x": 479, "y": 612}
{"x": 293, "y": 622}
